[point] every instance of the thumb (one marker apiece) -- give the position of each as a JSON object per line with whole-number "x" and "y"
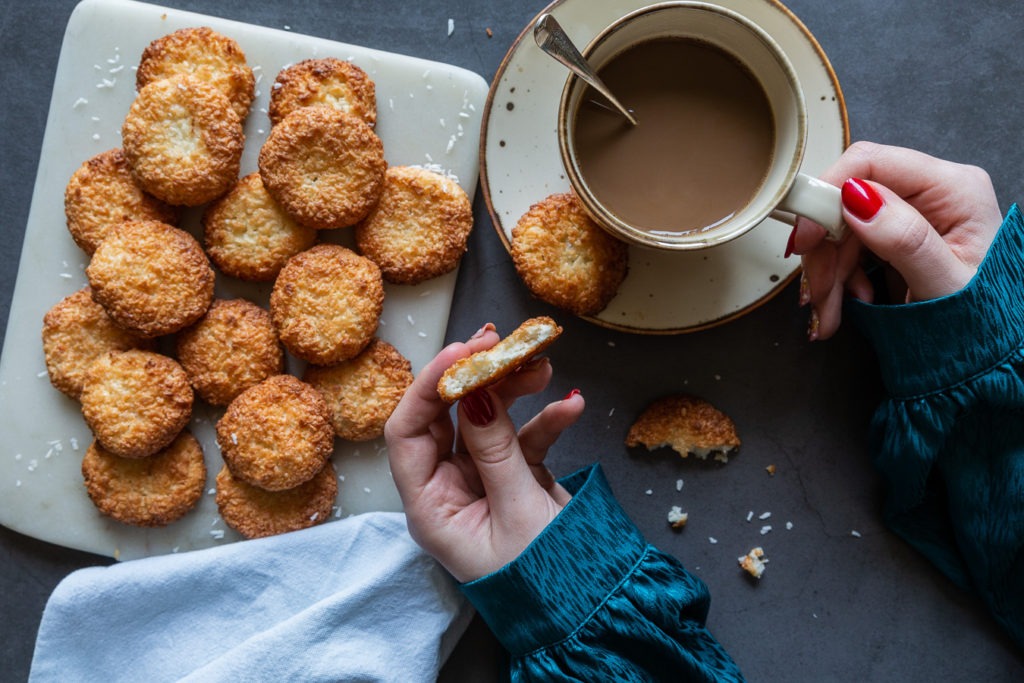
{"x": 896, "y": 232}
{"x": 490, "y": 438}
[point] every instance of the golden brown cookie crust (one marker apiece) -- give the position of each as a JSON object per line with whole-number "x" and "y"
{"x": 151, "y": 278}
{"x": 206, "y": 55}
{"x": 232, "y": 347}
{"x": 486, "y": 367}
{"x": 102, "y": 193}
{"x": 326, "y": 304}
{"x": 76, "y": 332}
{"x": 565, "y": 259}
{"x": 419, "y": 228}
{"x": 257, "y": 513}
{"x": 327, "y": 82}
{"x": 324, "y": 166}
{"x": 249, "y": 236}
{"x": 361, "y": 393}
{"x": 147, "y": 492}
{"x": 136, "y": 402}
{"x": 277, "y": 434}
{"x": 183, "y": 141}
{"x": 687, "y": 424}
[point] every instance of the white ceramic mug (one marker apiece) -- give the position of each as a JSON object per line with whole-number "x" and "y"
{"x": 784, "y": 188}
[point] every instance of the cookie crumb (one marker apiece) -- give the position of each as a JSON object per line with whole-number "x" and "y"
{"x": 753, "y": 562}
{"x": 677, "y": 518}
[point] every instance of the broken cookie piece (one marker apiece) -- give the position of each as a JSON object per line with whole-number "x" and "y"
{"x": 490, "y": 365}
{"x": 688, "y": 425}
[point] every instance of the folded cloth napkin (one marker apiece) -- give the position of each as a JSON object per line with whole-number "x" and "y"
{"x": 352, "y": 600}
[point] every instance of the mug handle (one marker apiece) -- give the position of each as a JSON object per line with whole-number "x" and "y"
{"x": 819, "y": 201}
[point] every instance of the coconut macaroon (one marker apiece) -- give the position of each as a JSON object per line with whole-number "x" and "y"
{"x": 688, "y": 425}
{"x": 324, "y": 166}
{"x": 327, "y": 82}
{"x": 361, "y": 393}
{"x": 102, "y": 193}
{"x": 136, "y": 402}
{"x": 419, "y": 228}
{"x": 183, "y": 141}
{"x": 149, "y": 492}
{"x": 206, "y": 55}
{"x": 256, "y": 513}
{"x": 565, "y": 259}
{"x": 151, "y": 278}
{"x": 76, "y": 332}
{"x": 490, "y": 365}
{"x": 277, "y": 434}
{"x": 232, "y": 347}
{"x": 326, "y": 304}
{"x": 249, "y": 236}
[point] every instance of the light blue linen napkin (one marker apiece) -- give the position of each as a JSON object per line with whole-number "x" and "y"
{"x": 352, "y": 600}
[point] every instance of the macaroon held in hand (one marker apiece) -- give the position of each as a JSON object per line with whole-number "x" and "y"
{"x": 476, "y": 491}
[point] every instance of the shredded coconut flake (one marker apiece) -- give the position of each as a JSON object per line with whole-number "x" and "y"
{"x": 80, "y": 102}
{"x": 451, "y": 26}
{"x": 679, "y": 484}
{"x": 855, "y": 533}
{"x": 765, "y": 529}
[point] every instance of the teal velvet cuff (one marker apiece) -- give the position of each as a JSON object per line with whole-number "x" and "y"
{"x": 949, "y": 443}
{"x": 589, "y": 599}
{"x": 932, "y": 345}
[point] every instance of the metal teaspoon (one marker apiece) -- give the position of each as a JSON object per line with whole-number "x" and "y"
{"x": 553, "y": 40}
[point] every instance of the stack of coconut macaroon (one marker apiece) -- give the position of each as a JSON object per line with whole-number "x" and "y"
{"x": 151, "y": 286}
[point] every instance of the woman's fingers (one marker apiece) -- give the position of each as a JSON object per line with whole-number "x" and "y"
{"x": 491, "y": 441}
{"x": 897, "y": 233}
{"x": 538, "y": 435}
{"x": 541, "y": 432}
{"x": 421, "y": 419}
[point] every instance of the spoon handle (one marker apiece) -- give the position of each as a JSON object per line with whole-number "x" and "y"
{"x": 553, "y": 40}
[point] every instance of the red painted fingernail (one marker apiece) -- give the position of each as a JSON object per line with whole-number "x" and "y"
{"x": 574, "y": 392}
{"x": 790, "y": 244}
{"x": 478, "y": 407}
{"x": 860, "y": 199}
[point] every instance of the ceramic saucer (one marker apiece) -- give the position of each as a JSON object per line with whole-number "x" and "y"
{"x": 665, "y": 293}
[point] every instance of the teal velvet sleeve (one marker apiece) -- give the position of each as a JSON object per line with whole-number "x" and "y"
{"x": 949, "y": 440}
{"x": 590, "y": 600}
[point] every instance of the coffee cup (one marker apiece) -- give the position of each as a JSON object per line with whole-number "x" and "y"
{"x": 720, "y": 136}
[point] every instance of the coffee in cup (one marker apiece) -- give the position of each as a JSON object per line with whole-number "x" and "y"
{"x": 720, "y": 135}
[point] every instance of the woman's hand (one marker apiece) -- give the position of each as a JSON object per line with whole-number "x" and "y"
{"x": 931, "y": 220}
{"x": 476, "y": 496}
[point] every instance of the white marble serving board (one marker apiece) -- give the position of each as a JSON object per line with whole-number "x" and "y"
{"x": 428, "y": 114}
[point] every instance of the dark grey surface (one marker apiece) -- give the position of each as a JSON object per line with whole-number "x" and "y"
{"x": 943, "y": 77}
